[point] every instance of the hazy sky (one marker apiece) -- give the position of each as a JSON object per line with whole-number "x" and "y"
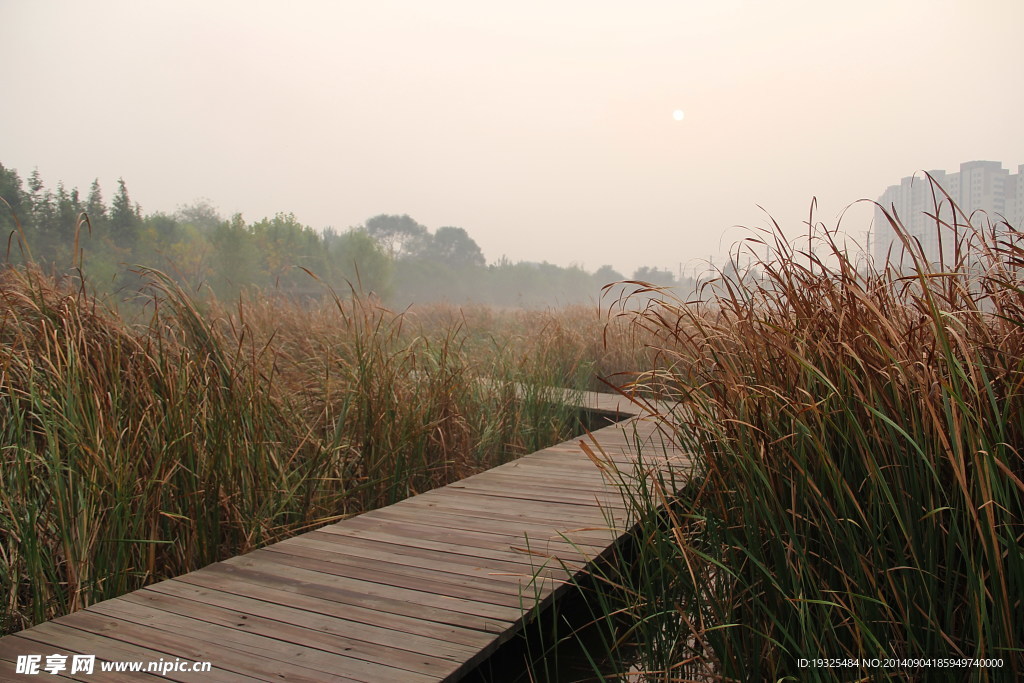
{"x": 545, "y": 129}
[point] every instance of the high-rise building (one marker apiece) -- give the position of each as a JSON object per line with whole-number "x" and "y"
{"x": 980, "y": 187}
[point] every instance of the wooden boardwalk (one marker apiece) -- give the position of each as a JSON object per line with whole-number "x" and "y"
{"x": 423, "y": 590}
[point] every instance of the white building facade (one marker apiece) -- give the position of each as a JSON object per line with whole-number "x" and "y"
{"x": 979, "y": 186}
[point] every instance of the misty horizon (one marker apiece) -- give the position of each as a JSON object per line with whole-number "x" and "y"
{"x": 579, "y": 134}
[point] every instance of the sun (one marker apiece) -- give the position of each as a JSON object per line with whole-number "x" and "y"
{"x": 678, "y": 114}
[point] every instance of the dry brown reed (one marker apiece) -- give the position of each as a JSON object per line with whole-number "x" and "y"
{"x": 137, "y": 451}
{"x": 858, "y": 434}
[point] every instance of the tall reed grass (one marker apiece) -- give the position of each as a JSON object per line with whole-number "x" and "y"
{"x": 857, "y": 434}
{"x": 134, "y": 451}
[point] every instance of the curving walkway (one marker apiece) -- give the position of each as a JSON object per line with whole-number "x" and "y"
{"x": 423, "y": 590}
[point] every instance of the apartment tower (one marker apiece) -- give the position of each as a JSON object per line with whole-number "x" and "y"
{"x": 983, "y": 190}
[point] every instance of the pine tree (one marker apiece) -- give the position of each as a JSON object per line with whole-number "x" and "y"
{"x": 12, "y": 193}
{"x": 35, "y": 182}
{"x": 94, "y": 206}
{"x": 40, "y": 221}
{"x": 68, "y": 208}
{"x": 125, "y": 217}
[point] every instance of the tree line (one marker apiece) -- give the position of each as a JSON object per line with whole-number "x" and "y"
{"x": 393, "y": 256}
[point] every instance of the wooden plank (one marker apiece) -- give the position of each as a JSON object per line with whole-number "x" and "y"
{"x": 617, "y": 456}
{"x": 579, "y": 464}
{"x": 589, "y": 537}
{"x": 554, "y": 461}
{"x": 521, "y": 563}
{"x": 573, "y": 455}
{"x": 481, "y": 525}
{"x": 462, "y": 534}
{"x": 422, "y": 581}
{"x": 13, "y": 646}
{"x": 557, "y": 488}
{"x": 564, "y": 513}
{"x": 569, "y": 482}
{"x": 584, "y": 503}
{"x": 51, "y": 637}
{"x": 586, "y": 534}
{"x": 394, "y": 570}
{"x": 482, "y": 547}
{"x": 498, "y": 489}
{"x": 213, "y": 587}
{"x": 8, "y": 673}
{"x": 584, "y": 474}
{"x": 236, "y": 581}
{"x": 316, "y": 654}
{"x": 513, "y": 575}
{"x": 503, "y": 494}
{"x": 239, "y": 658}
{"x": 566, "y": 477}
{"x": 265, "y": 564}
{"x": 215, "y": 575}
{"x": 335, "y": 633}
{"x": 535, "y": 556}
{"x": 111, "y": 648}
{"x": 569, "y": 457}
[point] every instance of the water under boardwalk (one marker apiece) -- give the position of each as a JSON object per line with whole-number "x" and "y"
{"x": 422, "y": 590}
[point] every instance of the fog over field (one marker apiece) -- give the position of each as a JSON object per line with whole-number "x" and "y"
{"x": 267, "y": 266}
{"x": 573, "y": 132}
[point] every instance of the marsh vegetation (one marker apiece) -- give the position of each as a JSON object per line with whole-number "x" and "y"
{"x": 138, "y": 448}
{"x": 857, "y": 434}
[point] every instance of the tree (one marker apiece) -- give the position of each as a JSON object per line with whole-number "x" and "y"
{"x": 67, "y": 209}
{"x": 606, "y": 275}
{"x": 94, "y": 206}
{"x": 661, "y": 278}
{"x": 125, "y": 218}
{"x": 157, "y": 233}
{"x": 161, "y": 228}
{"x": 96, "y": 211}
{"x": 399, "y": 236}
{"x": 200, "y": 214}
{"x": 285, "y": 243}
{"x": 454, "y": 247}
{"x": 191, "y": 256}
{"x": 362, "y": 261}
{"x": 235, "y": 254}
{"x": 35, "y": 182}
{"x": 42, "y": 219}
{"x": 11, "y": 192}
